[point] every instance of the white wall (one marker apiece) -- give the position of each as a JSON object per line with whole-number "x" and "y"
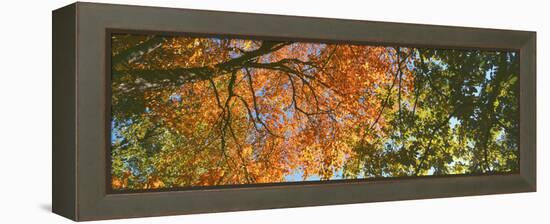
{"x": 25, "y": 111}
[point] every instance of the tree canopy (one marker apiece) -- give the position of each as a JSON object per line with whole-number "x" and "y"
{"x": 196, "y": 111}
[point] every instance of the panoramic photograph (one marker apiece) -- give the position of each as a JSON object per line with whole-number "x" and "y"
{"x": 198, "y": 111}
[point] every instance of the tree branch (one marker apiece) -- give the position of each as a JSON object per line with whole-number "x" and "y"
{"x": 134, "y": 53}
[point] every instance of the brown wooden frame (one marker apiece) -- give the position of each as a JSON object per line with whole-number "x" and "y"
{"x": 81, "y": 111}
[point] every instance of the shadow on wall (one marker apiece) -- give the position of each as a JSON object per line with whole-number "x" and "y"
{"x": 45, "y": 207}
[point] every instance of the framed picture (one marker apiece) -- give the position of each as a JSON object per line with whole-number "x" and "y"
{"x": 160, "y": 111}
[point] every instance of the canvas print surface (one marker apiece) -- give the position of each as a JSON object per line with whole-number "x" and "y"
{"x": 190, "y": 111}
